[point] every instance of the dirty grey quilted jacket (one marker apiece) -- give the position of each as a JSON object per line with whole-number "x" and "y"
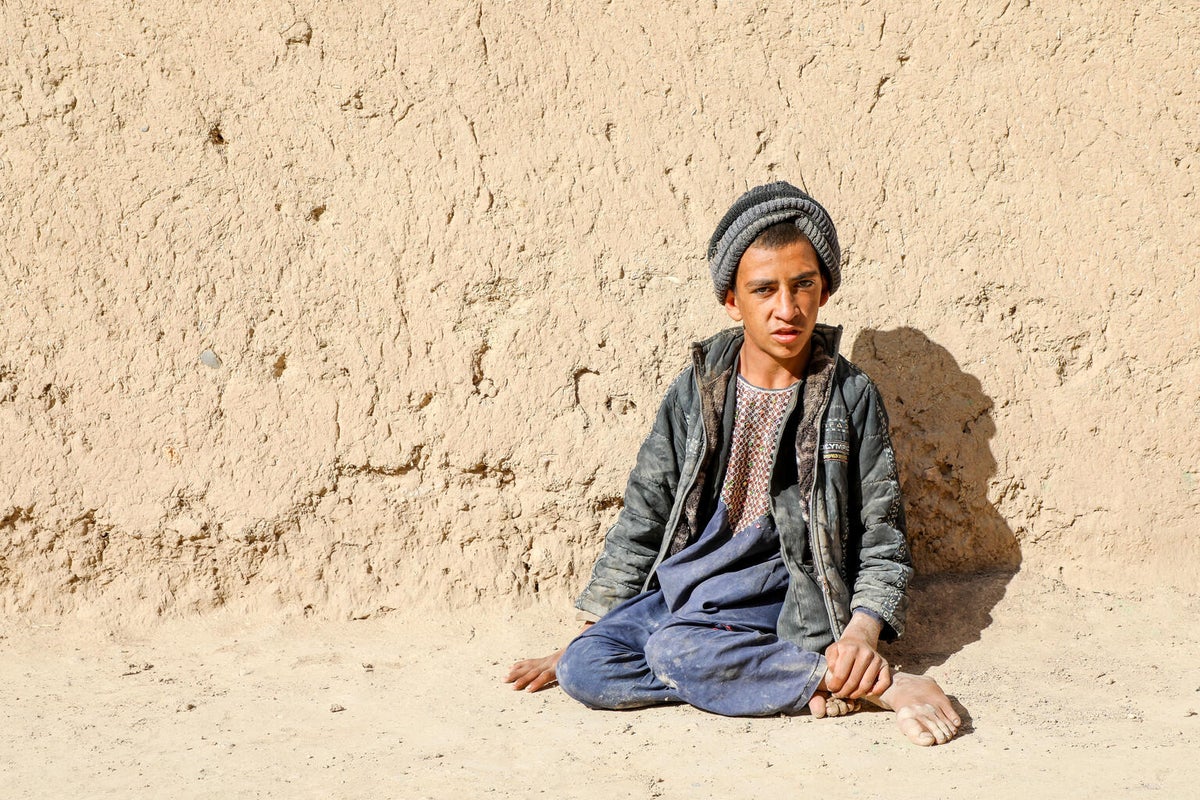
{"x": 839, "y": 513}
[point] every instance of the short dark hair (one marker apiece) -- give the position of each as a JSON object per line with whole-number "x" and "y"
{"x": 780, "y": 235}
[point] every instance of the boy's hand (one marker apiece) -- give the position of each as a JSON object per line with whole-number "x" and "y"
{"x": 856, "y": 669}
{"x": 533, "y": 674}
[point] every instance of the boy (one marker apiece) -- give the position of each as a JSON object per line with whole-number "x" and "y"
{"x": 760, "y": 555}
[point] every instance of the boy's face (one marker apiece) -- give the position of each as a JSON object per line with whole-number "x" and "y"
{"x": 776, "y": 296}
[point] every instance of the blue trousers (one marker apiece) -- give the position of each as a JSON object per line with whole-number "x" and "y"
{"x": 639, "y": 654}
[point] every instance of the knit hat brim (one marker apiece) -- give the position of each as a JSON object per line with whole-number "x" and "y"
{"x": 759, "y": 209}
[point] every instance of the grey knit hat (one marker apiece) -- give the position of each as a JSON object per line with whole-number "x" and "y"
{"x": 759, "y": 209}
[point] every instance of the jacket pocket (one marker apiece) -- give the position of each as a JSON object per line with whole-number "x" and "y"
{"x": 835, "y": 466}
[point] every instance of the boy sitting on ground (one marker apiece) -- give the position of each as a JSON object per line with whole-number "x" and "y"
{"x": 760, "y": 555}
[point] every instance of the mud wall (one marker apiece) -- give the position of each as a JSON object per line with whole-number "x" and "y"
{"x": 343, "y": 307}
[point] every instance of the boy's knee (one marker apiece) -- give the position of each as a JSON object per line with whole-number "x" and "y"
{"x": 572, "y": 665}
{"x": 581, "y": 675}
{"x": 672, "y": 655}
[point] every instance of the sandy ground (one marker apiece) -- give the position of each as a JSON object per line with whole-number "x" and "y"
{"x": 341, "y": 304}
{"x": 1066, "y": 694}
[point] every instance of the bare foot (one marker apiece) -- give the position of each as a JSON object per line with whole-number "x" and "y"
{"x": 923, "y": 711}
{"x": 824, "y": 704}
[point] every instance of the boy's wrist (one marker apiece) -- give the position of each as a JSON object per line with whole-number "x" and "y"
{"x": 865, "y": 626}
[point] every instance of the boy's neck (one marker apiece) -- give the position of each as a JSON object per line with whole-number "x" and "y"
{"x": 766, "y": 372}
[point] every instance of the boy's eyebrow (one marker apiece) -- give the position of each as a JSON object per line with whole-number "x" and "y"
{"x": 755, "y": 284}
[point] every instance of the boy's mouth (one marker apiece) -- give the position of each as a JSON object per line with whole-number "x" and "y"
{"x": 785, "y": 334}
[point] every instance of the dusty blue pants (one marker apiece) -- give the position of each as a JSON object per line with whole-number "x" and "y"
{"x": 639, "y": 654}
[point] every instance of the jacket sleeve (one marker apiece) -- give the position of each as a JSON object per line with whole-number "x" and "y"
{"x": 884, "y": 562}
{"x": 633, "y": 542}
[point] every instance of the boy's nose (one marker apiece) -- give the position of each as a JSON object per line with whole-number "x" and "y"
{"x": 786, "y": 307}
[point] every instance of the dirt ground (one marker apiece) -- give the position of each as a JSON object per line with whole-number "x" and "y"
{"x": 1065, "y": 694}
{"x": 342, "y": 306}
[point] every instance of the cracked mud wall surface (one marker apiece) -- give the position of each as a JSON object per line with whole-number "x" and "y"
{"x": 344, "y": 308}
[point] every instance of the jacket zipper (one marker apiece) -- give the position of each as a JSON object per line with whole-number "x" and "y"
{"x": 813, "y": 539}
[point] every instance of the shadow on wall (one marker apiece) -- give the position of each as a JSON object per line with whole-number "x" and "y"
{"x": 964, "y": 552}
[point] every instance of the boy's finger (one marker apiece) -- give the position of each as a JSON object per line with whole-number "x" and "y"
{"x": 869, "y": 678}
{"x": 858, "y": 669}
{"x": 545, "y": 679}
{"x": 839, "y": 667}
{"x": 883, "y": 682}
{"x": 516, "y": 671}
{"x": 835, "y": 678}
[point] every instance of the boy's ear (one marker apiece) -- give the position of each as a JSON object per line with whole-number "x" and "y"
{"x": 731, "y": 307}
{"x": 824, "y": 295}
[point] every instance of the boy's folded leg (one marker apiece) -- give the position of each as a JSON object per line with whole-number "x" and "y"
{"x": 605, "y": 666}
{"x": 736, "y": 673}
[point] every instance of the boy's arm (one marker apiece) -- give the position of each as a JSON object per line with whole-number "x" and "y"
{"x": 885, "y": 566}
{"x": 633, "y": 542}
{"x": 878, "y": 599}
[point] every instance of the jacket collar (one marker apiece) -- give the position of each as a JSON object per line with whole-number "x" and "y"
{"x": 716, "y": 356}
